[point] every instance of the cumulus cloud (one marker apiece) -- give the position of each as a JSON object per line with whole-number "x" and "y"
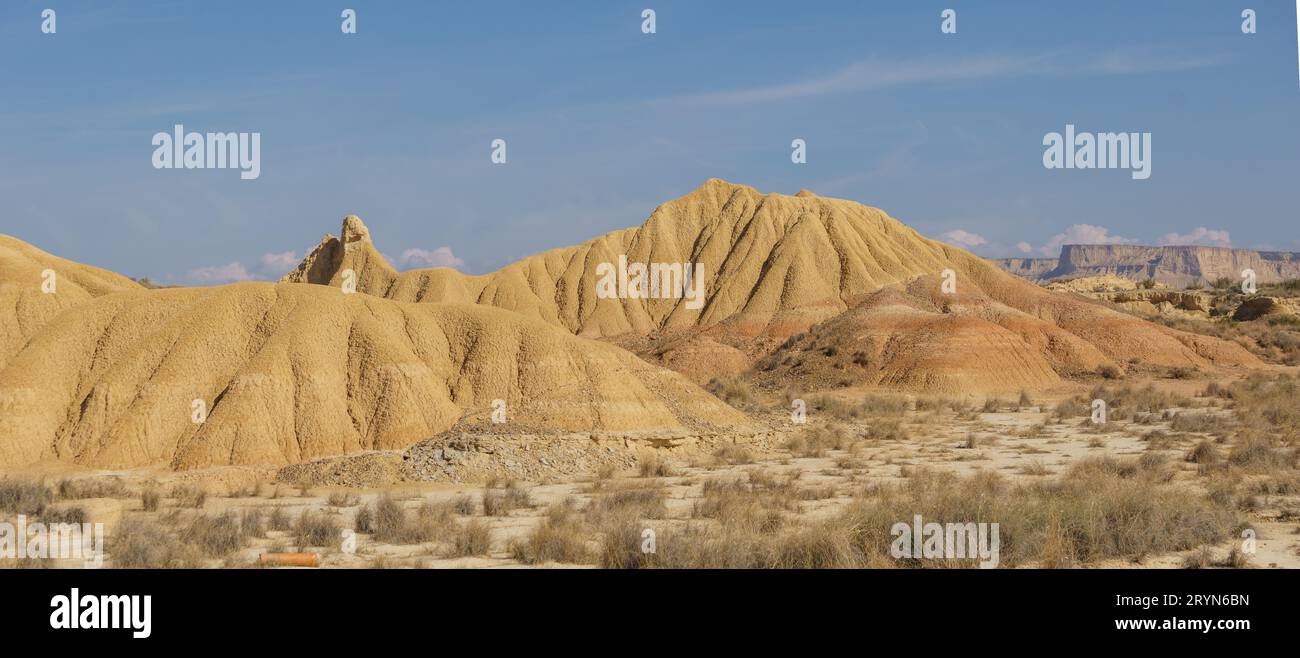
{"x": 440, "y": 257}
{"x": 1081, "y": 234}
{"x": 1206, "y": 237}
{"x": 1024, "y": 247}
{"x": 228, "y": 273}
{"x": 963, "y": 238}
{"x": 279, "y": 263}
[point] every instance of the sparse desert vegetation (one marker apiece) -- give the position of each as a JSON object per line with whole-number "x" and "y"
{"x": 1172, "y": 477}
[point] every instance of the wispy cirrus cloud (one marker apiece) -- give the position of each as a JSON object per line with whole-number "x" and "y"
{"x": 880, "y": 73}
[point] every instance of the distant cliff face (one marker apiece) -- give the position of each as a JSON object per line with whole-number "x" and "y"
{"x": 1176, "y": 266}
{"x": 1029, "y": 268}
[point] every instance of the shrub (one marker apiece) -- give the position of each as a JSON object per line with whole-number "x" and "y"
{"x": 389, "y": 523}
{"x": 341, "y": 499}
{"x": 1257, "y": 453}
{"x": 189, "y": 495}
{"x": 638, "y": 503}
{"x": 1185, "y": 421}
{"x": 75, "y": 515}
{"x": 464, "y": 505}
{"x": 251, "y": 523}
{"x": 364, "y": 521}
{"x": 1204, "y": 453}
{"x": 471, "y": 538}
{"x": 149, "y": 499}
{"x": 278, "y": 520}
{"x": 559, "y": 538}
{"x": 143, "y": 544}
{"x": 500, "y": 502}
{"x": 24, "y": 496}
{"x": 650, "y": 464}
{"x": 733, "y": 454}
{"x": 214, "y": 536}
{"x": 882, "y": 406}
{"x": 886, "y": 430}
{"x": 816, "y": 440}
{"x": 733, "y": 391}
{"x": 91, "y": 488}
{"x": 317, "y": 529}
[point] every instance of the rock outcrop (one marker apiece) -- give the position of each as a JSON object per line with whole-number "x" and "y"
{"x": 1175, "y": 266}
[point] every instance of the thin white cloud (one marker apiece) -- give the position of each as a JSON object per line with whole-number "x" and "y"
{"x": 878, "y": 73}
{"x": 964, "y": 238}
{"x": 440, "y": 257}
{"x": 875, "y": 74}
{"x": 1024, "y": 247}
{"x": 1206, "y": 237}
{"x": 1130, "y": 61}
{"x": 285, "y": 260}
{"x": 279, "y": 263}
{"x": 228, "y": 273}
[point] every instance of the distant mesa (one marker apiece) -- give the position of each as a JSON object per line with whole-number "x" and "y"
{"x": 1174, "y": 266}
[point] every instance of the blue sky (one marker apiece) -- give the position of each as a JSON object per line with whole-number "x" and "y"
{"x": 603, "y": 122}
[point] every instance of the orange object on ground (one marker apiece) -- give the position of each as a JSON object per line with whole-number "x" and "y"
{"x": 290, "y": 559}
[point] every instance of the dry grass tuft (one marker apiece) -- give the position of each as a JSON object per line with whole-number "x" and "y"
{"x": 342, "y": 499}
{"x": 27, "y": 497}
{"x": 651, "y": 465}
{"x": 560, "y": 537}
{"x": 141, "y": 543}
{"x": 188, "y": 495}
{"x": 317, "y": 529}
{"x": 733, "y": 454}
{"x": 92, "y": 488}
{"x": 471, "y": 538}
{"x": 817, "y": 440}
{"x": 500, "y": 502}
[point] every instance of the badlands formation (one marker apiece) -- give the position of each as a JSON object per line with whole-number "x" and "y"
{"x": 26, "y": 273}
{"x": 776, "y": 266}
{"x": 800, "y": 292}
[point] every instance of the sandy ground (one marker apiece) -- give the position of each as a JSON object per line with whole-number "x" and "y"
{"x": 1021, "y": 443}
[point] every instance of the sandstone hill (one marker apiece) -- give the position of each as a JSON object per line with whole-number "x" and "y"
{"x": 292, "y": 372}
{"x": 1176, "y": 266}
{"x": 775, "y": 266}
{"x": 983, "y": 338}
{"x": 25, "y": 306}
{"x": 797, "y": 290}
